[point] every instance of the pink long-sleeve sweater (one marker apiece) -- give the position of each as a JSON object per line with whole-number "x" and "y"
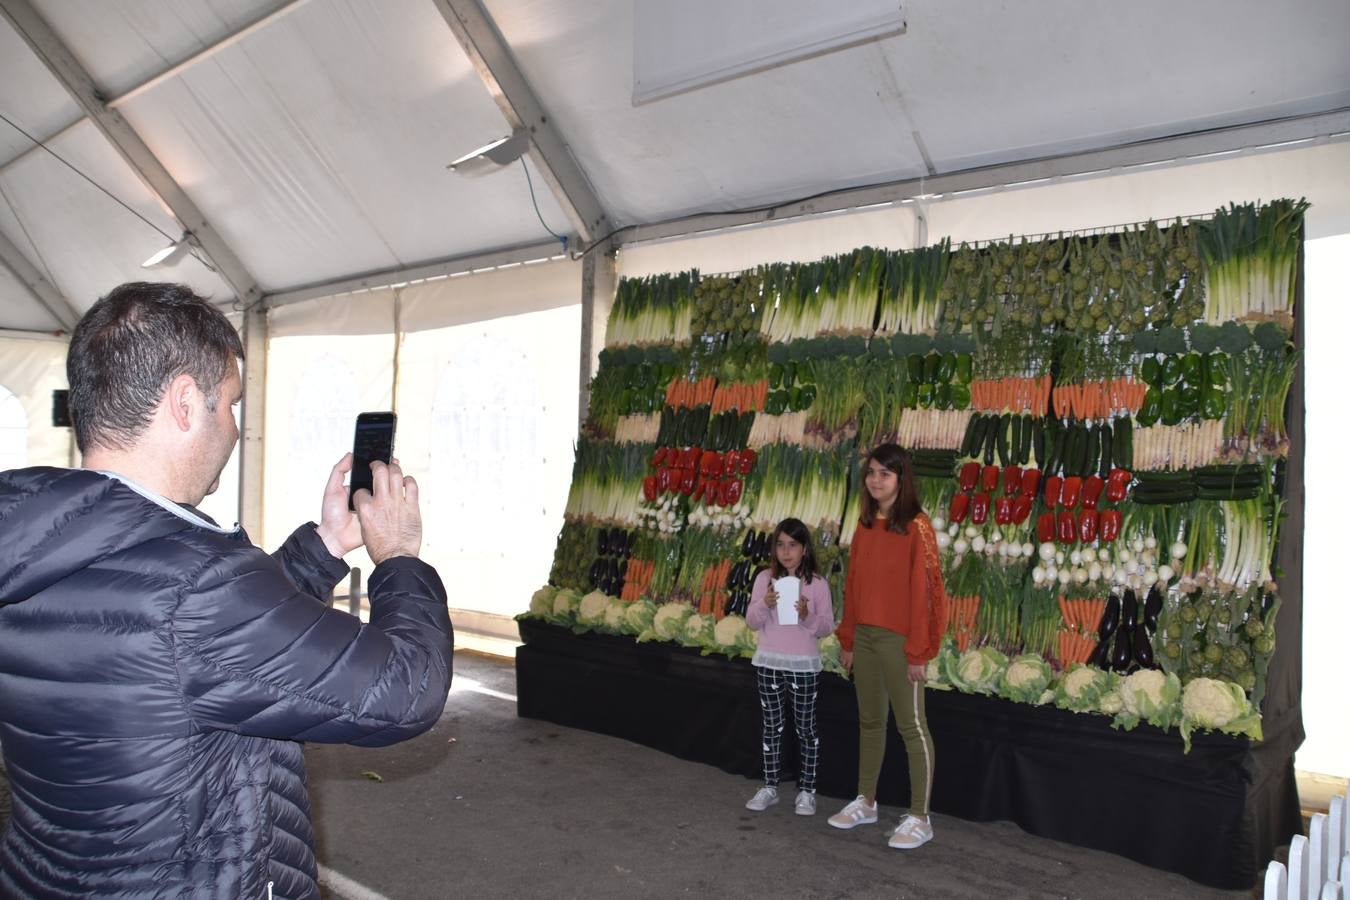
{"x": 793, "y": 648}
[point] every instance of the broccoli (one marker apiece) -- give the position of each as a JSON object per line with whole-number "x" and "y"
{"x": 1146, "y": 342}
{"x": 1171, "y": 340}
{"x": 879, "y": 348}
{"x": 1204, "y": 337}
{"x": 778, "y": 353}
{"x": 963, "y": 343}
{"x": 942, "y": 342}
{"x": 1270, "y": 337}
{"x": 856, "y": 345}
{"x": 1234, "y": 338}
{"x": 796, "y": 351}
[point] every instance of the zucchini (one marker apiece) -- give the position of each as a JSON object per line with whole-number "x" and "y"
{"x": 1122, "y": 450}
{"x": 1024, "y": 446}
{"x": 1014, "y": 441}
{"x": 1106, "y": 439}
{"x": 972, "y": 430}
{"x": 990, "y": 438}
{"x": 1038, "y": 443}
{"x": 1004, "y": 428}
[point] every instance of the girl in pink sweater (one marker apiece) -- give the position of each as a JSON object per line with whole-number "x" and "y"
{"x": 788, "y": 660}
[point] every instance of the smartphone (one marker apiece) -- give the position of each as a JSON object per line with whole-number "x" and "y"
{"x": 374, "y": 441}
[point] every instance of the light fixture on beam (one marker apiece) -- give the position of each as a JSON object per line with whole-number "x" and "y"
{"x": 491, "y": 157}
{"x": 169, "y": 254}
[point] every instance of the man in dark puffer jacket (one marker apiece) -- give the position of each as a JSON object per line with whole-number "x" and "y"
{"x": 157, "y": 671}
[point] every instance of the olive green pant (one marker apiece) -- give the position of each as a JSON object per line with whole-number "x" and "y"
{"x": 881, "y": 674}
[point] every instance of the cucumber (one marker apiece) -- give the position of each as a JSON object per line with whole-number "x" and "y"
{"x": 1038, "y": 443}
{"x": 1106, "y": 439}
{"x": 990, "y": 439}
{"x": 1004, "y": 428}
{"x": 1015, "y": 441}
{"x": 1122, "y": 449}
{"x": 1024, "y": 447}
{"x": 972, "y": 432}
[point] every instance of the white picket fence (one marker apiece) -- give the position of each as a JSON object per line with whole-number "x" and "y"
{"x": 1319, "y": 864}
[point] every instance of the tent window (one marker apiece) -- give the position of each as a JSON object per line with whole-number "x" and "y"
{"x": 13, "y": 432}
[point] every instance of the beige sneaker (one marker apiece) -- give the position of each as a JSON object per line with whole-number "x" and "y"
{"x": 857, "y": 812}
{"x": 912, "y": 832}
{"x": 763, "y": 799}
{"x": 806, "y": 803}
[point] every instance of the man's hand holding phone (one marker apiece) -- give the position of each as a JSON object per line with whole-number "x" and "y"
{"x": 391, "y": 520}
{"x": 338, "y": 527}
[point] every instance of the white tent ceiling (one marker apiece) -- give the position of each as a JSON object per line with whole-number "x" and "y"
{"x": 315, "y": 145}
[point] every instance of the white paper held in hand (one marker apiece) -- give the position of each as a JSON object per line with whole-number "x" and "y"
{"x": 789, "y": 590}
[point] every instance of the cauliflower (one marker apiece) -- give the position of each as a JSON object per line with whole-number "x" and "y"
{"x": 637, "y": 618}
{"x": 1209, "y": 704}
{"x": 1046, "y": 696}
{"x": 591, "y": 609}
{"x": 1025, "y": 679}
{"x": 727, "y": 633}
{"x": 697, "y": 630}
{"x": 976, "y": 671}
{"x": 668, "y": 622}
{"x": 565, "y": 604}
{"x": 1150, "y": 695}
{"x": 541, "y": 604}
{"x": 1082, "y": 687}
{"x": 1111, "y": 704}
{"x": 613, "y": 620}
{"x": 829, "y": 655}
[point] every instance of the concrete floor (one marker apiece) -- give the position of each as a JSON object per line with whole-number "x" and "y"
{"x": 488, "y": 805}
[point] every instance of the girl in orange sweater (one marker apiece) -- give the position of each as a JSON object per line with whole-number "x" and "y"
{"x": 895, "y": 613}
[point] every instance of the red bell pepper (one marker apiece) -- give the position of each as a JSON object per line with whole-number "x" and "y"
{"x": 649, "y": 489}
{"x": 663, "y": 479}
{"x": 691, "y": 458}
{"x": 747, "y": 461}
{"x": 1109, "y": 529}
{"x": 979, "y": 508}
{"x": 659, "y": 457}
{"x": 687, "y": 480}
{"x": 1073, "y": 485}
{"x": 700, "y": 489}
{"x": 1003, "y": 511}
{"x": 1066, "y": 527}
{"x": 970, "y": 474}
{"x": 1022, "y": 507}
{"x": 711, "y": 464}
{"x": 734, "y": 488}
{"x": 989, "y": 479}
{"x": 1031, "y": 482}
{"x": 959, "y": 507}
{"x": 731, "y": 462}
{"x": 1092, "y": 490}
{"x": 1087, "y": 526}
{"x": 720, "y": 496}
{"x": 1053, "y": 486}
{"x": 1045, "y": 527}
{"x": 1117, "y": 483}
{"x": 1012, "y": 480}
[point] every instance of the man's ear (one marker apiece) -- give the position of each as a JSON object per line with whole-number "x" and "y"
{"x": 184, "y": 401}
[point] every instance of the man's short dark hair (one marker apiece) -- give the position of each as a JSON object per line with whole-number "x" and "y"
{"x": 130, "y": 345}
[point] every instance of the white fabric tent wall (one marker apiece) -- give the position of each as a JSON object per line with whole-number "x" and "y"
{"x": 487, "y": 402}
{"x": 31, "y": 370}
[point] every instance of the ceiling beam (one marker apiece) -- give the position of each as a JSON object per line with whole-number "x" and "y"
{"x": 454, "y": 265}
{"x": 49, "y": 48}
{"x": 42, "y": 290}
{"x": 1177, "y": 149}
{"x": 205, "y": 53}
{"x": 492, "y": 60}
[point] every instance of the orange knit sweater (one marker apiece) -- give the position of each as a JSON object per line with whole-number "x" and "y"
{"x": 895, "y": 582}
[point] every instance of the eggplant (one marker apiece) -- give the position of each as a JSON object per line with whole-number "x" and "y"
{"x": 596, "y": 572}
{"x": 1110, "y": 620}
{"x": 622, "y": 568}
{"x": 1121, "y": 653}
{"x": 602, "y": 542}
{"x": 1129, "y": 611}
{"x": 748, "y": 545}
{"x": 1143, "y": 649}
{"x": 734, "y": 576}
{"x": 761, "y": 545}
{"x": 1152, "y": 607}
{"x": 1267, "y": 602}
{"x": 1101, "y": 655}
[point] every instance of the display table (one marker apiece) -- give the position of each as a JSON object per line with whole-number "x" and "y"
{"x": 1215, "y": 815}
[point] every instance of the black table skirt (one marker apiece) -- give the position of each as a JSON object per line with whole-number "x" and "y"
{"x": 1215, "y": 815}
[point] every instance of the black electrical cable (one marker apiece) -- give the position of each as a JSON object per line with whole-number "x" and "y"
{"x": 72, "y": 168}
{"x": 529, "y": 181}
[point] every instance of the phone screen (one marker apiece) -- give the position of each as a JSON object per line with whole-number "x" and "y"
{"x": 374, "y": 441}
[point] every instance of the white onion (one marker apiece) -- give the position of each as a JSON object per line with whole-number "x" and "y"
{"x": 944, "y": 540}
{"x": 1076, "y": 557}
{"x": 1064, "y": 576}
{"x": 1094, "y": 572}
{"x": 977, "y": 542}
{"x": 939, "y": 524}
{"x": 995, "y": 535}
{"x": 1038, "y": 575}
{"x": 1028, "y": 549}
{"x": 1150, "y": 542}
{"x": 1150, "y": 577}
{"x": 1135, "y": 582}
{"x": 1059, "y": 557}
{"x": 1003, "y": 549}
{"x": 1080, "y": 575}
{"x": 1148, "y": 558}
{"x": 953, "y": 529}
{"x": 1137, "y": 545}
{"x": 1131, "y": 568}
{"x": 971, "y": 531}
{"x": 960, "y": 545}
{"x": 1108, "y": 571}
{"x": 1124, "y": 555}
{"x": 1166, "y": 573}
{"x": 1178, "y": 550}
{"x": 1120, "y": 576}
{"x": 1047, "y": 551}
{"x": 1088, "y": 554}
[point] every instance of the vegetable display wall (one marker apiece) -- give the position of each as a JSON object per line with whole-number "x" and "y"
{"x": 1096, "y": 422}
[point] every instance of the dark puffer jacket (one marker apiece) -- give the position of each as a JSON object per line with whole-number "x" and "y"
{"x": 156, "y": 673}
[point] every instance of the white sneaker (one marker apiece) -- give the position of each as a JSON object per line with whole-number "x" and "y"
{"x": 763, "y": 799}
{"x": 806, "y": 803}
{"x": 858, "y": 812}
{"x": 912, "y": 832}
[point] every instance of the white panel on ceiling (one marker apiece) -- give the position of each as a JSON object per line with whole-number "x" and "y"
{"x": 680, "y": 47}
{"x": 19, "y": 310}
{"x": 317, "y": 147}
{"x": 29, "y": 96}
{"x": 81, "y": 238}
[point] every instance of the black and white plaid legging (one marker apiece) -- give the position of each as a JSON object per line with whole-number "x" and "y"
{"x": 802, "y": 685}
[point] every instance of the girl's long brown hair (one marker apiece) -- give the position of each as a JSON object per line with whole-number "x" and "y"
{"x": 906, "y": 505}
